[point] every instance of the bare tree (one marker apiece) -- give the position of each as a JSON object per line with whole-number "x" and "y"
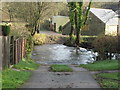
{"x": 32, "y": 12}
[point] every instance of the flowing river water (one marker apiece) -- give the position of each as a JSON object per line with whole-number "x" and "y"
{"x": 61, "y": 54}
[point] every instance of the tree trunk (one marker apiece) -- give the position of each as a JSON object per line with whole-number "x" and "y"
{"x": 77, "y": 37}
{"x": 71, "y": 32}
{"x": 38, "y": 29}
{"x": 34, "y": 31}
{"x": 110, "y": 57}
{"x": 77, "y": 29}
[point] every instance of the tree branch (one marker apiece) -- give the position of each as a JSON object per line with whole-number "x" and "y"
{"x": 87, "y": 12}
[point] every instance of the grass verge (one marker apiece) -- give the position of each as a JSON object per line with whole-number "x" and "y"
{"x": 102, "y": 65}
{"x": 110, "y": 75}
{"x": 13, "y": 79}
{"x": 60, "y": 68}
{"x": 105, "y": 83}
{"x": 25, "y": 64}
{"x": 106, "y": 80}
{"x": 0, "y": 80}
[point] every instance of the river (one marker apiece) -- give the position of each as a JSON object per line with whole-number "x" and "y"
{"x": 61, "y": 54}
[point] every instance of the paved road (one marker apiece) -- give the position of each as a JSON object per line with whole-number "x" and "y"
{"x": 43, "y": 78}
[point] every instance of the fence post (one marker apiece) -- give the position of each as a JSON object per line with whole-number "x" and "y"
{"x": 6, "y": 52}
{"x": 12, "y": 50}
{"x": 1, "y": 52}
{"x": 20, "y": 49}
{"x": 15, "y": 51}
{"x": 8, "y": 46}
{"x": 24, "y": 47}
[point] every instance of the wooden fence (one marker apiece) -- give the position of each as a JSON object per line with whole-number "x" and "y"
{"x": 13, "y": 50}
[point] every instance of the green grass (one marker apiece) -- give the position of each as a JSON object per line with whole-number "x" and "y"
{"x": 102, "y": 65}
{"x": 108, "y": 83}
{"x": 106, "y": 80}
{"x": 0, "y": 80}
{"x": 105, "y": 65}
{"x": 60, "y": 68}
{"x": 110, "y": 75}
{"x": 14, "y": 79}
{"x": 26, "y": 65}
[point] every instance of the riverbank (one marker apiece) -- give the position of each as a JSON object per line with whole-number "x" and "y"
{"x": 106, "y": 72}
{"x": 50, "y": 37}
{"x": 41, "y": 39}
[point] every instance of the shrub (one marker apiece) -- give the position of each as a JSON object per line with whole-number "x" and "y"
{"x": 29, "y": 45}
{"x": 104, "y": 45}
{"x": 89, "y": 39}
{"x": 39, "y": 39}
{"x": 60, "y": 28}
{"x": 5, "y": 30}
{"x": 86, "y": 41}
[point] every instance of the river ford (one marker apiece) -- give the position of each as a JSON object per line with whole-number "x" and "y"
{"x": 61, "y": 54}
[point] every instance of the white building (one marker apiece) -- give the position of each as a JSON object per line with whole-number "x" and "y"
{"x": 102, "y": 21}
{"x": 58, "y": 21}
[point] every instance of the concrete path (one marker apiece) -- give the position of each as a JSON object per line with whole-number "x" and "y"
{"x": 43, "y": 78}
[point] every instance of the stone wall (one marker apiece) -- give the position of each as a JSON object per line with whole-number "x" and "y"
{"x": 95, "y": 26}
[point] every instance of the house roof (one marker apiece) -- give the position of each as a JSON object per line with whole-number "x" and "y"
{"x": 108, "y": 16}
